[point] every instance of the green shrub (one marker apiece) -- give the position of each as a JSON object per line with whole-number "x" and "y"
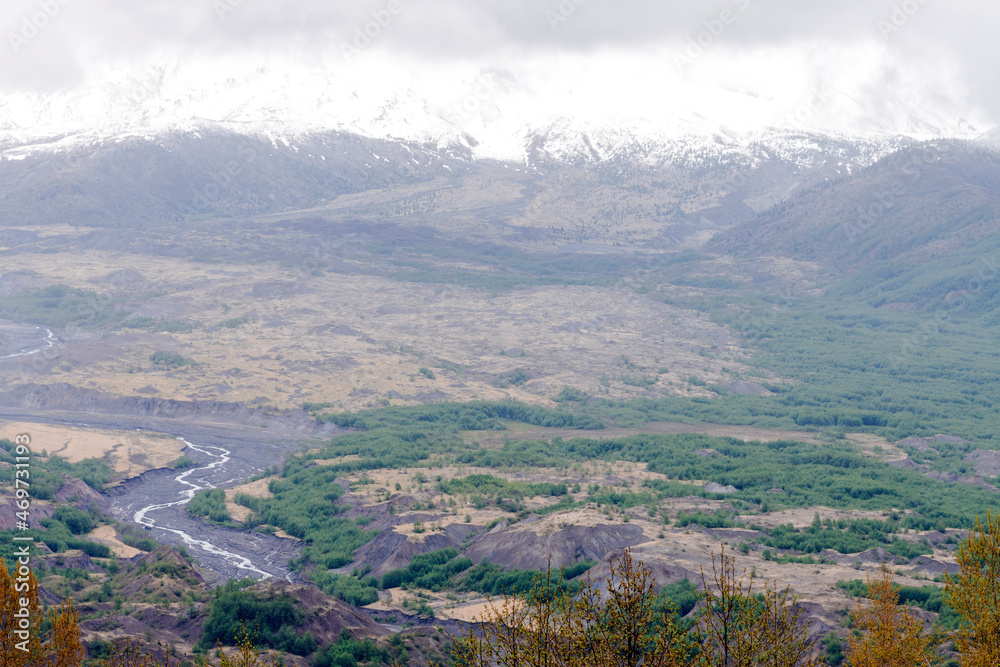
{"x": 358, "y": 591}
{"x": 58, "y": 537}
{"x": 46, "y": 474}
{"x": 516, "y": 378}
{"x": 156, "y": 325}
{"x": 209, "y": 503}
{"x": 273, "y": 617}
{"x": 183, "y": 462}
{"x": 77, "y": 521}
{"x": 137, "y": 538}
{"x": 171, "y": 360}
{"x": 570, "y": 394}
{"x": 847, "y": 537}
{"x": 492, "y": 579}
{"x": 718, "y": 519}
{"x": 487, "y": 489}
{"x": 59, "y": 306}
{"x": 682, "y": 594}
{"x": 348, "y": 652}
{"x": 928, "y": 598}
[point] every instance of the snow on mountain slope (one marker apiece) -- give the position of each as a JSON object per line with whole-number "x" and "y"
{"x": 525, "y": 113}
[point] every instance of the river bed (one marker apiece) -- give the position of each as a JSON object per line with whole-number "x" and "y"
{"x": 225, "y": 456}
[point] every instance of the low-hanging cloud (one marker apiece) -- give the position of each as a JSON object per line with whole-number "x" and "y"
{"x": 58, "y": 43}
{"x": 476, "y": 27}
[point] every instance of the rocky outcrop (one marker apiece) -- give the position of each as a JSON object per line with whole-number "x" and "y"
{"x": 20, "y": 280}
{"x": 817, "y": 619}
{"x": 164, "y": 563}
{"x": 124, "y": 279}
{"x": 955, "y": 478}
{"x": 713, "y": 487}
{"x": 522, "y": 548}
{"x": 937, "y": 538}
{"x": 905, "y": 462}
{"x": 72, "y": 558}
{"x": 78, "y": 492}
{"x": 739, "y": 534}
{"x": 662, "y": 567}
{"x": 744, "y": 387}
{"x": 395, "y": 617}
{"x": 930, "y": 567}
{"x": 923, "y": 444}
{"x": 878, "y": 556}
{"x": 326, "y": 617}
{"x": 987, "y": 462}
{"x": 9, "y": 510}
{"x": 391, "y": 550}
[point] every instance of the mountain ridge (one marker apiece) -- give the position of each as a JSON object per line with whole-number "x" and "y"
{"x": 493, "y": 113}
{"x": 925, "y": 201}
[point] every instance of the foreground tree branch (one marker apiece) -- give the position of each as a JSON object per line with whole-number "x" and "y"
{"x": 974, "y": 593}
{"x": 891, "y": 636}
{"x": 744, "y": 628}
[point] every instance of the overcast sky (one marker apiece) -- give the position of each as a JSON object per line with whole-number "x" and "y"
{"x": 942, "y": 51}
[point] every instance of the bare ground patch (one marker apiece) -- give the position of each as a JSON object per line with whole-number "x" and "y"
{"x": 128, "y": 453}
{"x": 669, "y": 548}
{"x": 360, "y": 340}
{"x": 108, "y": 536}
{"x": 686, "y": 552}
{"x": 256, "y": 489}
{"x": 874, "y": 446}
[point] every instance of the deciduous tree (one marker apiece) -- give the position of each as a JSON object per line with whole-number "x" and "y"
{"x": 17, "y": 621}
{"x": 131, "y": 652}
{"x": 618, "y": 623}
{"x": 891, "y": 636}
{"x": 745, "y": 628}
{"x": 974, "y": 593}
{"x": 543, "y": 629}
{"x": 64, "y": 646}
{"x": 247, "y": 654}
{"x": 627, "y": 625}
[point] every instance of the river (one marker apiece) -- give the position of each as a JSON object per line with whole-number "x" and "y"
{"x": 17, "y": 337}
{"x": 222, "y": 456}
{"x": 225, "y": 456}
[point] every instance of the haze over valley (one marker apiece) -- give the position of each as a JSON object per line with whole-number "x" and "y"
{"x": 344, "y": 346}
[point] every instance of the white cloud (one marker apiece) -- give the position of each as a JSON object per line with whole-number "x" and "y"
{"x": 934, "y": 63}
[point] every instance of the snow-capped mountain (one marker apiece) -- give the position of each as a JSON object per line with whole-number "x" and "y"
{"x": 517, "y": 115}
